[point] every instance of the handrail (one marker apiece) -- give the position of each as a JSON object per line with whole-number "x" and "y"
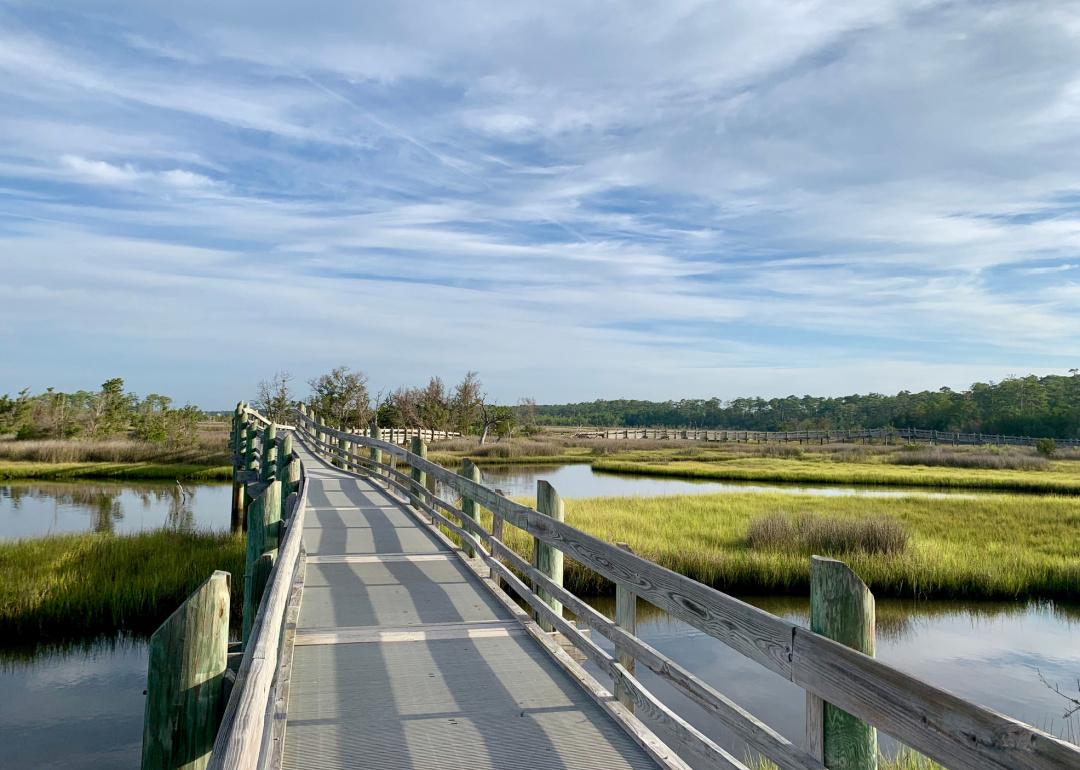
{"x": 243, "y": 738}
{"x": 935, "y": 722}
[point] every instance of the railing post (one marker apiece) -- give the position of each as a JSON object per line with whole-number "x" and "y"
{"x": 264, "y": 526}
{"x": 269, "y": 451}
{"x": 547, "y": 558}
{"x": 418, "y": 448}
{"x": 284, "y": 456}
{"x": 339, "y": 461}
{"x": 841, "y": 608}
{"x": 468, "y": 505}
{"x": 236, "y": 514}
{"x": 185, "y": 680}
{"x": 626, "y": 618}
{"x": 376, "y": 453}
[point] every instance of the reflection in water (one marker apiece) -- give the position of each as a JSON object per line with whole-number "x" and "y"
{"x": 992, "y": 653}
{"x": 77, "y": 707}
{"x": 29, "y": 509}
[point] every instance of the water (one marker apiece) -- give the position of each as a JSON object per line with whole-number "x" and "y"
{"x": 75, "y": 709}
{"x": 35, "y": 508}
{"x": 582, "y": 481}
{"x": 83, "y": 707}
{"x": 989, "y": 653}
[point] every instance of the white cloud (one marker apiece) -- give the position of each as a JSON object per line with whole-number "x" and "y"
{"x": 127, "y": 174}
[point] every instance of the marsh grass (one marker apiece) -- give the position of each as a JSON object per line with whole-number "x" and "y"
{"x": 950, "y": 458}
{"x": 207, "y": 449}
{"x": 144, "y": 471}
{"x": 905, "y": 759}
{"x": 989, "y": 547}
{"x": 809, "y": 534}
{"x": 80, "y": 586}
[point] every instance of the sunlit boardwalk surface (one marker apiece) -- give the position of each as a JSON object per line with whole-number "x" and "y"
{"x": 404, "y": 659}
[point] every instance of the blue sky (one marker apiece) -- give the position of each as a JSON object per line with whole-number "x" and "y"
{"x": 579, "y": 199}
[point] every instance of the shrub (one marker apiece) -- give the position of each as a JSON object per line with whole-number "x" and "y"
{"x": 1046, "y": 447}
{"x": 827, "y": 535}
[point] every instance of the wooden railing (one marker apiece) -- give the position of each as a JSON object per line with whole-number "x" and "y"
{"x": 959, "y": 734}
{"x": 276, "y": 501}
{"x": 884, "y": 435}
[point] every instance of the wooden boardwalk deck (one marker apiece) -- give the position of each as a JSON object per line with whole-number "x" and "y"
{"x": 405, "y": 657}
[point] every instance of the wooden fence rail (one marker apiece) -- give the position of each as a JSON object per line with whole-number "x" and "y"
{"x": 884, "y": 435}
{"x": 957, "y": 733}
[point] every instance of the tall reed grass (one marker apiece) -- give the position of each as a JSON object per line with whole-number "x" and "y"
{"x": 207, "y": 450}
{"x": 938, "y": 456}
{"x": 77, "y": 586}
{"x": 810, "y": 534}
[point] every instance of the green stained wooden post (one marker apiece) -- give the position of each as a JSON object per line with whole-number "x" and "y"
{"x": 292, "y": 477}
{"x": 269, "y": 452}
{"x": 341, "y": 444}
{"x": 625, "y": 617}
{"x": 418, "y": 448}
{"x": 841, "y": 608}
{"x": 264, "y": 528}
{"x": 468, "y": 505}
{"x": 185, "y": 680}
{"x": 284, "y": 455}
{"x": 236, "y": 513}
{"x": 546, "y": 558}
{"x": 252, "y": 462}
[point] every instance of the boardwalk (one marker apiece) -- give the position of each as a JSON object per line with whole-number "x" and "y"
{"x": 404, "y": 658}
{"x": 370, "y": 640}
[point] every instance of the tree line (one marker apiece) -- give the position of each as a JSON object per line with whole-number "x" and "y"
{"x": 1031, "y": 406}
{"x": 341, "y": 397}
{"x": 108, "y": 412}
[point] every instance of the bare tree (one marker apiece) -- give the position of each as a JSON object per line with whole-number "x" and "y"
{"x": 525, "y": 414}
{"x": 341, "y": 396}
{"x": 275, "y": 397}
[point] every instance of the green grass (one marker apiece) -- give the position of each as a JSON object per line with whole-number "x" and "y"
{"x": 904, "y": 760}
{"x": 79, "y": 586}
{"x": 989, "y": 547}
{"x": 1062, "y": 478}
{"x": 114, "y": 470}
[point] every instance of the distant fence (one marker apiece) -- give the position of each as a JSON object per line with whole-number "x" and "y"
{"x": 883, "y": 435}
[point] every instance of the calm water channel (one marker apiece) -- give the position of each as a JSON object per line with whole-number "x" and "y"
{"x": 583, "y": 481}
{"x": 83, "y": 708}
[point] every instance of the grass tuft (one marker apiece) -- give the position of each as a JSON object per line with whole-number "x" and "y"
{"x": 936, "y": 456}
{"x": 827, "y": 535}
{"x": 77, "y": 586}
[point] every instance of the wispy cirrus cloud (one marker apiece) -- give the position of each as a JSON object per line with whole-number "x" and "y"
{"x": 688, "y": 199}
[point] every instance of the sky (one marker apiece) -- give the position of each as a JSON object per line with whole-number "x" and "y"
{"x": 577, "y": 199}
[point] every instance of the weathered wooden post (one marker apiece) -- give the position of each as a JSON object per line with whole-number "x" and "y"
{"x": 236, "y": 514}
{"x": 285, "y": 450}
{"x": 340, "y": 459}
{"x": 547, "y": 558}
{"x": 269, "y": 451}
{"x": 625, "y": 618}
{"x": 249, "y": 448}
{"x": 264, "y": 526}
{"x": 376, "y": 453}
{"x": 418, "y": 448}
{"x": 468, "y": 505}
{"x": 292, "y": 477}
{"x": 185, "y": 680}
{"x": 841, "y": 608}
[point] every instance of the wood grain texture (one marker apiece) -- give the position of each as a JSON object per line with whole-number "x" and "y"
{"x": 626, "y": 619}
{"x": 841, "y": 608}
{"x": 185, "y": 681}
